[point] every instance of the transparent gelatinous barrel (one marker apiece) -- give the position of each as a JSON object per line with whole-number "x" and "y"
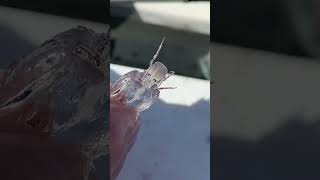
{"x": 140, "y": 97}
{"x": 135, "y": 95}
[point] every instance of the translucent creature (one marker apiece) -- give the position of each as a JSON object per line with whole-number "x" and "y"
{"x": 141, "y": 89}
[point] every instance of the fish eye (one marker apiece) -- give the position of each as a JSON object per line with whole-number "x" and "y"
{"x": 154, "y": 80}
{"x": 149, "y": 74}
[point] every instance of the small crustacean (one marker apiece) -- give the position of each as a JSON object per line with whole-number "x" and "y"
{"x": 141, "y": 89}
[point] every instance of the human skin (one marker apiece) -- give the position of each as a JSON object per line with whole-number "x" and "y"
{"x": 124, "y": 127}
{"x": 20, "y": 147}
{"x": 30, "y": 154}
{"x": 23, "y": 124}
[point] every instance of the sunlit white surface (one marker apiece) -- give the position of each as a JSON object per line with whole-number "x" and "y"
{"x": 173, "y": 142}
{"x": 188, "y": 16}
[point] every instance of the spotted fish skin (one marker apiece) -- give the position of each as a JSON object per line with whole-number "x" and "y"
{"x": 59, "y": 89}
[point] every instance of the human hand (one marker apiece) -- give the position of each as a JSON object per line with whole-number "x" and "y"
{"x": 124, "y": 127}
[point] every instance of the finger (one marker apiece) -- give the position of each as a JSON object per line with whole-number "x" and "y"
{"x": 124, "y": 126}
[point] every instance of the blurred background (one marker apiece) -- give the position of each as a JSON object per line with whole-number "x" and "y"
{"x": 286, "y": 26}
{"x": 266, "y": 88}
{"x": 24, "y": 25}
{"x": 139, "y": 26}
{"x": 96, "y": 10}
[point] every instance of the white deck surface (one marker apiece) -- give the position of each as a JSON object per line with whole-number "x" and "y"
{"x": 173, "y": 142}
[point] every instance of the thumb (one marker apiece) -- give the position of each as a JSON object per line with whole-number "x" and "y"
{"x": 124, "y": 127}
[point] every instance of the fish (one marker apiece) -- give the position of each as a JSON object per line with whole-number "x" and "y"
{"x": 59, "y": 90}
